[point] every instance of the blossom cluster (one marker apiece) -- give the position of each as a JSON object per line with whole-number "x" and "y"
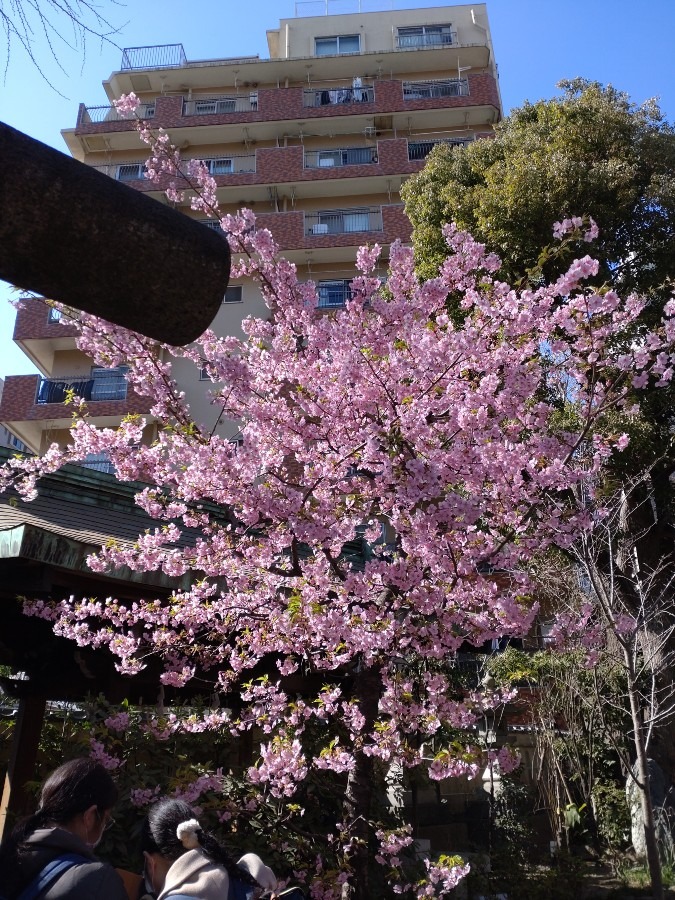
{"x": 394, "y": 472}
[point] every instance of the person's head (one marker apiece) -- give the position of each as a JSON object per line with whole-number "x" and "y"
{"x": 170, "y": 830}
{"x": 160, "y": 843}
{"x": 79, "y": 797}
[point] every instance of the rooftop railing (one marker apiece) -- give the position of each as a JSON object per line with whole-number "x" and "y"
{"x": 344, "y": 156}
{"x": 343, "y": 221}
{"x": 172, "y": 56}
{"x": 340, "y": 7}
{"x": 331, "y": 96}
{"x": 446, "y": 87}
{"x": 166, "y": 56}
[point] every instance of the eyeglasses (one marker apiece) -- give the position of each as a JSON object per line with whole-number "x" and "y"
{"x": 108, "y": 821}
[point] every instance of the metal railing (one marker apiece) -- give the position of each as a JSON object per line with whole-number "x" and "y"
{"x": 95, "y": 114}
{"x": 340, "y": 7}
{"x": 163, "y": 56}
{"x": 418, "y": 41}
{"x": 228, "y": 165}
{"x": 98, "y": 462}
{"x": 213, "y": 106}
{"x": 102, "y": 384}
{"x": 333, "y": 96}
{"x": 344, "y": 156}
{"x": 123, "y": 171}
{"x": 343, "y": 221}
{"x": 446, "y": 87}
{"x": 333, "y": 294}
{"x": 421, "y": 149}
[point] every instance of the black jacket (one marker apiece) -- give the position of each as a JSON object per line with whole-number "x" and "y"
{"x": 90, "y": 880}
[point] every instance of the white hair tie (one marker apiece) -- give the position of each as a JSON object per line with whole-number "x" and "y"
{"x": 187, "y": 834}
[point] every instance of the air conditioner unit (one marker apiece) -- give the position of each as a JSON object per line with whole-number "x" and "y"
{"x": 321, "y": 228}
{"x": 370, "y": 131}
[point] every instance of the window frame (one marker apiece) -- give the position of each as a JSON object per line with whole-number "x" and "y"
{"x": 421, "y": 32}
{"x": 140, "y": 171}
{"x": 236, "y": 288}
{"x": 337, "y": 38}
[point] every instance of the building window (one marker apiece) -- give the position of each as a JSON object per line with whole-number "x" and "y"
{"x": 204, "y": 374}
{"x": 130, "y": 172}
{"x": 219, "y": 166}
{"x": 335, "y": 46}
{"x": 425, "y": 36}
{"x": 54, "y": 315}
{"x": 233, "y": 294}
{"x": 109, "y": 384}
{"x": 333, "y": 293}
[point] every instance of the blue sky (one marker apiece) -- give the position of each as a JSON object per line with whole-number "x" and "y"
{"x": 537, "y": 43}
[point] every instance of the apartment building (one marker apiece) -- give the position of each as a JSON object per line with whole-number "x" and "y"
{"x": 316, "y": 140}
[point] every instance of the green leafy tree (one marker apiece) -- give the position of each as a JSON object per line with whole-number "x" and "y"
{"x": 588, "y": 152}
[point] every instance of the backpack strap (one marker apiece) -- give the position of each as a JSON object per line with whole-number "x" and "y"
{"x": 53, "y": 870}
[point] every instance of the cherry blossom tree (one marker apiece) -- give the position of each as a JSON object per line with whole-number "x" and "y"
{"x": 396, "y": 471}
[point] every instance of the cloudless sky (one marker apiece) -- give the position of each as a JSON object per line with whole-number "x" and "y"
{"x": 537, "y": 43}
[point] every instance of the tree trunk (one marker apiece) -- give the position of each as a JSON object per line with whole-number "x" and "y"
{"x": 361, "y": 786}
{"x": 651, "y": 844}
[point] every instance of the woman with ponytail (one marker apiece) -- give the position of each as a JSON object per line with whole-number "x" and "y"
{"x": 183, "y": 861}
{"x": 51, "y": 852}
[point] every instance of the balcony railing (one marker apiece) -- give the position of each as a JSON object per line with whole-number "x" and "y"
{"x": 166, "y": 56}
{"x": 333, "y": 294}
{"x": 215, "y": 106}
{"x": 421, "y": 149}
{"x": 424, "y": 90}
{"x": 423, "y": 41}
{"x": 95, "y": 114}
{"x": 334, "y": 96}
{"x": 343, "y": 221}
{"x": 229, "y": 165}
{"x": 344, "y": 156}
{"x": 103, "y": 384}
{"x": 98, "y": 462}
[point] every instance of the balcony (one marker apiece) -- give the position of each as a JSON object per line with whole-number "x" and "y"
{"x": 343, "y": 156}
{"x": 223, "y": 103}
{"x": 34, "y": 407}
{"x": 336, "y": 96}
{"x": 427, "y": 90}
{"x": 421, "y": 149}
{"x": 343, "y": 221}
{"x": 95, "y": 114}
{"x": 425, "y": 39}
{"x": 104, "y": 384}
